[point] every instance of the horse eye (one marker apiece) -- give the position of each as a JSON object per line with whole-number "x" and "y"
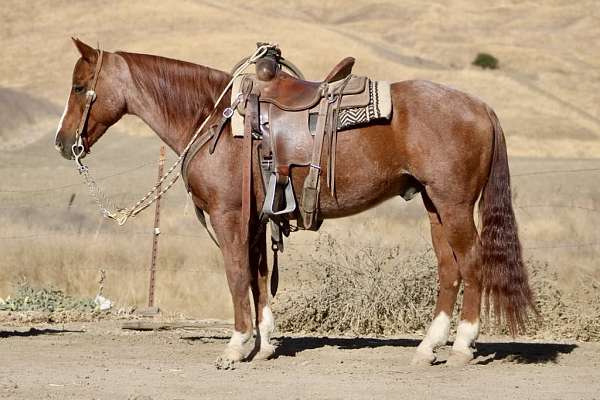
{"x": 78, "y": 89}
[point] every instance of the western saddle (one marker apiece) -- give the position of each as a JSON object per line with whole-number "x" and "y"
{"x": 294, "y": 121}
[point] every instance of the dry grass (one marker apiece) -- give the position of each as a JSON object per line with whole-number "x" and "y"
{"x": 573, "y": 314}
{"x": 190, "y": 277}
{"x": 358, "y": 291}
{"x": 65, "y": 247}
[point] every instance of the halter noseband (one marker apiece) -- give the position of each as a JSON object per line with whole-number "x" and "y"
{"x": 78, "y": 147}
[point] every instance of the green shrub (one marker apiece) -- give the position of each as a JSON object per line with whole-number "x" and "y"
{"x": 486, "y": 61}
{"x": 28, "y": 298}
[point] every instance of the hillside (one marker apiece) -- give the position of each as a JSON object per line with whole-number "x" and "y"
{"x": 545, "y": 92}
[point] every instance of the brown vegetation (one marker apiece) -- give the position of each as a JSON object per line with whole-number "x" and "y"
{"x": 377, "y": 291}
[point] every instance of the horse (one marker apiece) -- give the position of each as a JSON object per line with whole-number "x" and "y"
{"x": 445, "y": 143}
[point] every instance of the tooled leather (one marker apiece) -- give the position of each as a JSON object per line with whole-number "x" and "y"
{"x": 292, "y": 142}
{"x": 291, "y": 139}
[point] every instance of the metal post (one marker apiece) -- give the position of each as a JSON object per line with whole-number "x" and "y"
{"x": 161, "y": 164}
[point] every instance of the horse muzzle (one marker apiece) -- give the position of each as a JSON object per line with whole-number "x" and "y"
{"x": 68, "y": 148}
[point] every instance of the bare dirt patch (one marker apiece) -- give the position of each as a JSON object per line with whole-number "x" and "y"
{"x": 99, "y": 360}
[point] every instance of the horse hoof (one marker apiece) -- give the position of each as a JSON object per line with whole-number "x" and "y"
{"x": 422, "y": 359}
{"x": 458, "y": 359}
{"x": 228, "y": 359}
{"x": 265, "y": 352}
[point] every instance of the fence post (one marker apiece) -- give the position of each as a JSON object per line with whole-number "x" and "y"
{"x": 156, "y": 233}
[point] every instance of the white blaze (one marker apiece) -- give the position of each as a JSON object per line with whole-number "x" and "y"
{"x": 62, "y": 118}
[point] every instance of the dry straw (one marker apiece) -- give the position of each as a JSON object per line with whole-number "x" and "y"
{"x": 376, "y": 291}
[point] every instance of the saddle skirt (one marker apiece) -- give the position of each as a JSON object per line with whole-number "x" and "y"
{"x": 364, "y": 101}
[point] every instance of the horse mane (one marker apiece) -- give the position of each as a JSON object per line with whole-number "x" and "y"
{"x": 184, "y": 92}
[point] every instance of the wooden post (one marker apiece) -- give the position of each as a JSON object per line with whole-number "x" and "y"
{"x": 156, "y": 233}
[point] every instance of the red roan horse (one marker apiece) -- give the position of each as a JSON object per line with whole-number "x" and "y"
{"x": 446, "y": 143}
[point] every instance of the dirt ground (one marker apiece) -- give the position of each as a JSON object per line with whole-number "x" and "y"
{"x": 101, "y": 361}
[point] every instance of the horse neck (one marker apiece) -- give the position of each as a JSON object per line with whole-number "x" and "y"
{"x": 173, "y": 97}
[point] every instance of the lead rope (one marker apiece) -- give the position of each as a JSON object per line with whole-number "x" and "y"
{"x": 121, "y": 215}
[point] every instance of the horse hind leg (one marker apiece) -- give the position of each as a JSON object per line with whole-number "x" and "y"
{"x": 459, "y": 228}
{"x": 449, "y": 282}
{"x": 265, "y": 323}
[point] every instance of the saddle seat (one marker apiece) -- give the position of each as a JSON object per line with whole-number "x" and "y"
{"x": 293, "y": 94}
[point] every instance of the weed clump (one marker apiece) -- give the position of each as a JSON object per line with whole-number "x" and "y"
{"x": 376, "y": 291}
{"x": 361, "y": 291}
{"x": 27, "y": 298}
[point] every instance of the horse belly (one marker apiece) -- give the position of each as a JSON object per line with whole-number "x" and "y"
{"x": 369, "y": 170}
{"x": 351, "y": 199}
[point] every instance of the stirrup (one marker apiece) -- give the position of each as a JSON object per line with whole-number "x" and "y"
{"x": 290, "y": 200}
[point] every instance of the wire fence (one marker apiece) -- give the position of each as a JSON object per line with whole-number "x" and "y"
{"x": 72, "y": 185}
{"x": 23, "y": 200}
{"x": 540, "y": 245}
{"x": 30, "y": 205}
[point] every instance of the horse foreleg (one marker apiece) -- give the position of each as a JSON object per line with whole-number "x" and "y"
{"x": 264, "y": 317}
{"x": 237, "y": 268}
{"x": 449, "y": 282}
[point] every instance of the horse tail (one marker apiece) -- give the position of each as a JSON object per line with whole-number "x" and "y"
{"x": 504, "y": 277}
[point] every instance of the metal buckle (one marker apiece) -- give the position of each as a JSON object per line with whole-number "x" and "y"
{"x": 91, "y": 93}
{"x": 331, "y": 97}
{"x": 228, "y": 112}
{"x": 78, "y": 151}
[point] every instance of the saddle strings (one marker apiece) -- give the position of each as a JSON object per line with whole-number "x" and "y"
{"x": 121, "y": 215}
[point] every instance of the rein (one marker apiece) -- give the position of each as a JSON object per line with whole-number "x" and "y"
{"x": 121, "y": 215}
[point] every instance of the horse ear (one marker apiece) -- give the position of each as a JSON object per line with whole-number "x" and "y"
{"x": 88, "y": 53}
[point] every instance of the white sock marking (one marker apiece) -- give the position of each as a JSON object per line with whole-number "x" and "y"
{"x": 237, "y": 341}
{"x": 437, "y": 334}
{"x": 466, "y": 333}
{"x": 266, "y": 327}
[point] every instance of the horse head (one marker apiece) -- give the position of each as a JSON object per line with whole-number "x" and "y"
{"x": 96, "y": 101}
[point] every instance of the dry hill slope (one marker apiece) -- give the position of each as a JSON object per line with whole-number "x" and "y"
{"x": 546, "y": 90}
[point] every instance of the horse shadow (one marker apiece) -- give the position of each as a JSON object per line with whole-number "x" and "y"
{"x": 516, "y": 352}
{"x": 521, "y": 352}
{"x": 290, "y": 346}
{"x": 32, "y": 332}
